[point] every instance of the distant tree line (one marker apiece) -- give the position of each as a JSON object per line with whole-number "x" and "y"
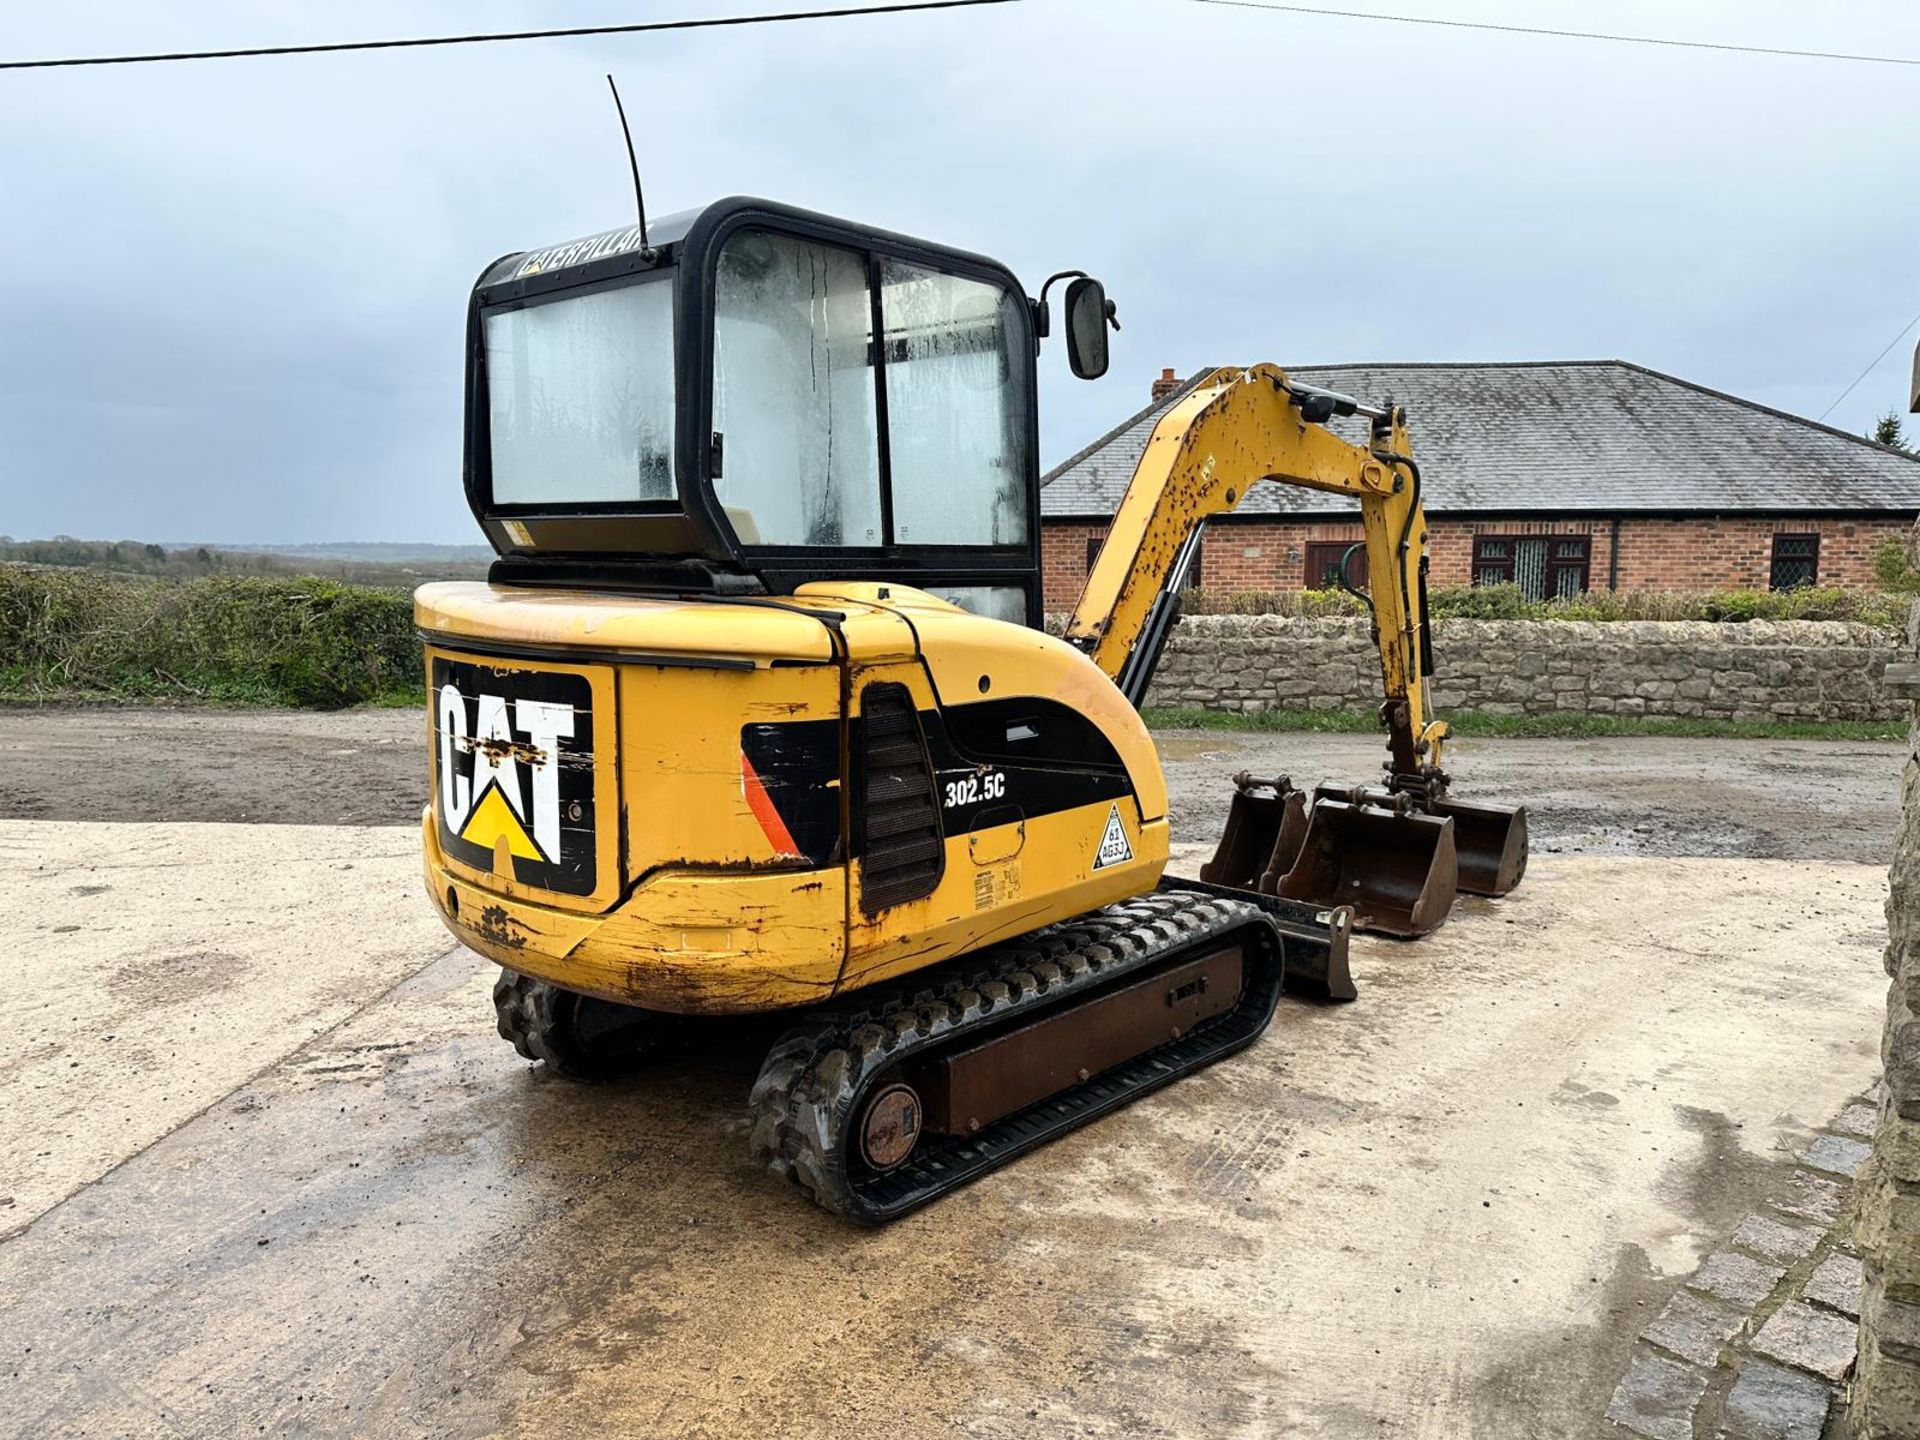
{"x": 137, "y": 557}
{"x": 192, "y": 562}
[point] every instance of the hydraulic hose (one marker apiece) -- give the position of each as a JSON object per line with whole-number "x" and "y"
{"x": 1347, "y": 585}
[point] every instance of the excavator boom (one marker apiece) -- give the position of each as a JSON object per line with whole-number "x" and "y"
{"x": 1389, "y": 850}
{"x": 1229, "y": 431}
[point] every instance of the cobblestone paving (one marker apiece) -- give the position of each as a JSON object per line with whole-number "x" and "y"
{"x": 1758, "y": 1340}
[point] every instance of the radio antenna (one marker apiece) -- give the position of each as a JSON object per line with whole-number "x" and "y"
{"x": 639, "y": 200}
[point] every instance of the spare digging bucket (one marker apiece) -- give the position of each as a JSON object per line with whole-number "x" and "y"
{"x": 1396, "y": 868}
{"x": 1266, "y": 824}
{"x": 1490, "y": 840}
{"x": 1491, "y": 843}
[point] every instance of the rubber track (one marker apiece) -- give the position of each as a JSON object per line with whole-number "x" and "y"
{"x": 523, "y": 1011}
{"x": 813, "y": 1081}
{"x": 541, "y": 1021}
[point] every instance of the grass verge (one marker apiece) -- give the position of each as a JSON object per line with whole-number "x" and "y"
{"x": 1559, "y": 725}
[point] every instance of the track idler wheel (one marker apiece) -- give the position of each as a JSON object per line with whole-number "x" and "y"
{"x": 577, "y": 1036}
{"x": 891, "y": 1126}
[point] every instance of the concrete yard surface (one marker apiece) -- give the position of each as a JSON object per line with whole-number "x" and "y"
{"x": 156, "y": 967}
{"x": 1445, "y": 1210}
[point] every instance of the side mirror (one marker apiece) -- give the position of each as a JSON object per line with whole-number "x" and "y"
{"x": 1089, "y": 312}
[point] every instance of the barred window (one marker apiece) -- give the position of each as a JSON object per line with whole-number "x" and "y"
{"x": 1796, "y": 562}
{"x": 1544, "y": 566}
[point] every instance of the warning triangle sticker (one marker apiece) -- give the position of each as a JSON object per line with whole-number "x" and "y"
{"x": 493, "y": 820}
{"x": 1114, "y": 847}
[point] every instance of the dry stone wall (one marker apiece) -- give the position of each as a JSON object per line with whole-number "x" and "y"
{"x": 1761, "y": 670}
{"x": 1886, "y": 1396}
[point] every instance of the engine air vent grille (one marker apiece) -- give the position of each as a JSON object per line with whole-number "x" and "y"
{"x": 902, "y": 848}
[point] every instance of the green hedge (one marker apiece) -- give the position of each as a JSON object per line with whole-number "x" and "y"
{"x": 300, "y": 641}
{"x": 1509, "y": 602}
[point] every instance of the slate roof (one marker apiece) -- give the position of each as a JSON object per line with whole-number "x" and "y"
{"x": 1588, "y": 436}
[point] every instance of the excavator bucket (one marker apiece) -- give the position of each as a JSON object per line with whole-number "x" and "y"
{"x": 1395, "y": 868}
{"x": 1491, "y": 843}
{"x": 1265, "y": 827}
{"x": 1490, "y": 840}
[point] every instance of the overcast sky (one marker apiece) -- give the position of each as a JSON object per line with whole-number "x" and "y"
{"x": 233, "y": 291}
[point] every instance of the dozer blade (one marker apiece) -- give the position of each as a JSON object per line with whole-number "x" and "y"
{"x": 1313, "y": 939}
{"x": 1396, "y": 869}
{"x": 1491, "y": 843}
{"x": 1266, "y": 824}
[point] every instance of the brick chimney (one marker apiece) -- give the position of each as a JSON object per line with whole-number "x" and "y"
{"x": 1166, "y": 385}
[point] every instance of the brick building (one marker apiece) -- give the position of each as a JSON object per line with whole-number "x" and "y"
{"x": 1557, "y": 476}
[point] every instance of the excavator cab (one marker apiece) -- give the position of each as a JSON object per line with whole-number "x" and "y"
{"x": 748, "y": 398}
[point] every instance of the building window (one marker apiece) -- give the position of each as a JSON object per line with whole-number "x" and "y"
{"x": 1796, "y": 562}
{"x": 1324, "y": 559}
{"x": 1094, "y": 542}
{"x": 1543, "y": 566}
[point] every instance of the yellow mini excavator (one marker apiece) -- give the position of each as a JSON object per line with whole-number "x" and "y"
{"x": 756, "y": 712}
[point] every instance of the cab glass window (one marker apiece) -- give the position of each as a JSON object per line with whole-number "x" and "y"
{"x": 580, "y": 398}
{"x": 956, "y": 408}
{"x": 796, "y": 430}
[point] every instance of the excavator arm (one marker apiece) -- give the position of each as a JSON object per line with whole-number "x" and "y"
{"x": 1233, "y": 428}
{"x": 1397, "y": 853}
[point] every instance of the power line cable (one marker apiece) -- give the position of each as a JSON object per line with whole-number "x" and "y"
{"x": 1615, "y": 39}
{"x": 1567, "y": 34}
{"x": 490, "y": 38}
{"x": 336, "y": 47}
{"x": 1871, "y": 366}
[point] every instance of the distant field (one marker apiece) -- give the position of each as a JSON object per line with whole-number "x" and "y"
{"x": 359, "y": 563}
{"x": 421, "y": 556}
